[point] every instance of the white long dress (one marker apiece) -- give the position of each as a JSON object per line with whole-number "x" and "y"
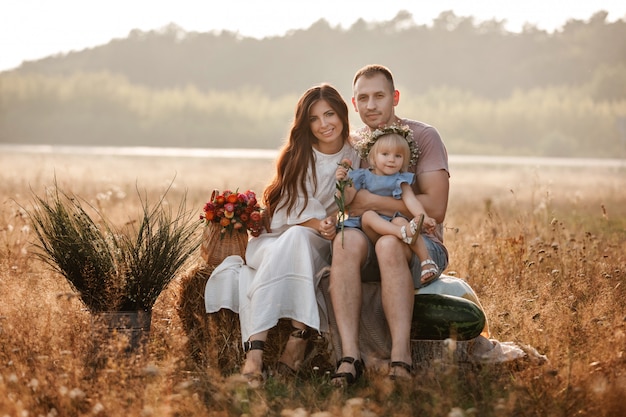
{"x": 280, "y": 278}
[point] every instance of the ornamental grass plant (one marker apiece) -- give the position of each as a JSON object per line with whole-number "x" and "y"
{"x": 80, "y": 248}
{"x": 113, "y": 268}
{"x": 544, "y": 248}
{"x": 155, "y": 250}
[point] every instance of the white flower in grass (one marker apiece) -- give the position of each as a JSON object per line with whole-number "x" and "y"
{"x": 456, "y": 412}
{"x": 97, "y": 408}
{"x": 77, "y": 394}
{"x": 33, "y": 384}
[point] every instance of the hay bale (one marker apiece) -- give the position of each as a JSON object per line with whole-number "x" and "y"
{"x": 194, "y": 320}
{"x": 214, "y": 340}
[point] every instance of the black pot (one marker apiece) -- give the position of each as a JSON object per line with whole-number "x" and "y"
{"x": 132, "y": 327}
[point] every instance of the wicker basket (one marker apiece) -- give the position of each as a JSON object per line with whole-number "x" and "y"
{"x": 217, "y": 245}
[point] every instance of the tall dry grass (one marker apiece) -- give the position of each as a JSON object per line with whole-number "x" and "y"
{"x": 544, "y": 248}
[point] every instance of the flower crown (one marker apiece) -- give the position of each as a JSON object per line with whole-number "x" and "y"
{"x": 364, "y": 146}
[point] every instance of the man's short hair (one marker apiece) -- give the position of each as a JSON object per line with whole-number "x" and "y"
{"x": 369, "y": 71}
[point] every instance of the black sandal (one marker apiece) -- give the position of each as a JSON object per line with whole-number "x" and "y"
{"x": 281, "y": 367}
{"x": 255, "y": 379}
{"x": 399, "y": 364}
{"x": 348, "y": 377}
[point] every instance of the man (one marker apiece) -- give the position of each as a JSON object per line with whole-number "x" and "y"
{"x": 391, "y": 261}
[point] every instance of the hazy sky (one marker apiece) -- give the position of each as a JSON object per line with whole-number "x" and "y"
{"x": 34, "y": 29}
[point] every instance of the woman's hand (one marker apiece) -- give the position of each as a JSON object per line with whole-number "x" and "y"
{"x": 327, "y": 228}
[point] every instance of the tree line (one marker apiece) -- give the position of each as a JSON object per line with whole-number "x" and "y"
{"x": 487, "y": 90}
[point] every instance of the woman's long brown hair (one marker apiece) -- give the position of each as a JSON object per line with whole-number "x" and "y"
{"x": 297, "y": 154}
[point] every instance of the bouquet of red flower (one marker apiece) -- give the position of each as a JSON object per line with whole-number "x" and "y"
{"x": 234, "y": 211}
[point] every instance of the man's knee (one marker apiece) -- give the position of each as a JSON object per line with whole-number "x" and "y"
{"x": 349, "y": 246}
{"x": 390, "y": 248}
{"x": 348, "y": 259}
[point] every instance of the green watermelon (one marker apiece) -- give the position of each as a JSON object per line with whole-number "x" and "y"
{"x": 439, "y": 317}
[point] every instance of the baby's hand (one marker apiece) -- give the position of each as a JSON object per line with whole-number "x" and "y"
{"x": 341, "y": 173}
{"x": 429, "y": 225}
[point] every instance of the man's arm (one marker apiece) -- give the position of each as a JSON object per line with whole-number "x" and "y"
{"x": 434, "y": 187}
{"x": 365, "y": 200}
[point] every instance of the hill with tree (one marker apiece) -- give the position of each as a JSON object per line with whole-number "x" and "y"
{"x": 486, "y": 89}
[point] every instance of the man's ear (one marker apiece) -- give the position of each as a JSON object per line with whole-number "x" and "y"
{"x": 396, "y": 97}
{"x": 354, "y": 105}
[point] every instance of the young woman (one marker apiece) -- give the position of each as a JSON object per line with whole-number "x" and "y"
{"x": 279, "y": 277}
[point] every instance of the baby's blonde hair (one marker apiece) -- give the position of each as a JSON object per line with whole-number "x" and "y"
{"x": 391, "y": 142}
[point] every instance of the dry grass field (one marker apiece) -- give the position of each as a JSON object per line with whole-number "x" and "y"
{"x": 543, "y": 247}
